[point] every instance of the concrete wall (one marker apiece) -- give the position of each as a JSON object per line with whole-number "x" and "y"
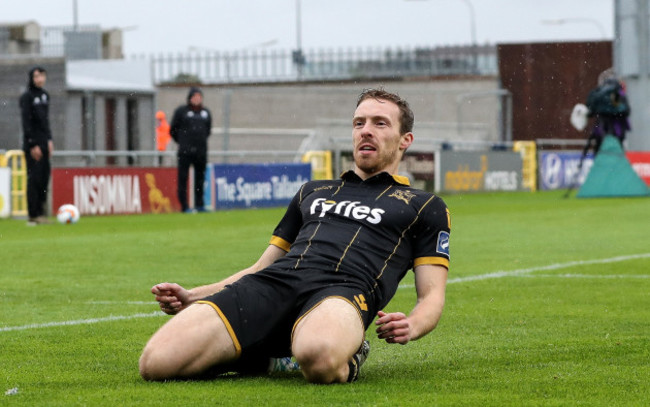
{"x": 322, "y": 108}
{"x": 329, "y": 108}
{"x": 72, "y": 141}
{"x": 66, "y": 113}
{"x": 13, "y": 82}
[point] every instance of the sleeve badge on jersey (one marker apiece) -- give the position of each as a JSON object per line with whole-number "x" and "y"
{"x": 443, "y": 243}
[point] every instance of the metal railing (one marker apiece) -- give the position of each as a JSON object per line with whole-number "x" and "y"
{"x": 555, "y": 143}
{"x": 324, "y": 64}
{"x": 147, "y": 158}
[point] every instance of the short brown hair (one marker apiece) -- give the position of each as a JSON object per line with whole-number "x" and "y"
{"x": 406, "y": 118}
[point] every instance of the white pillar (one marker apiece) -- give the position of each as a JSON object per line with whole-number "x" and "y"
{"x": 632, "y": 64}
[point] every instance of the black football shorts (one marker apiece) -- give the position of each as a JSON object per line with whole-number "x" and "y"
{"x": 261, "y": 310}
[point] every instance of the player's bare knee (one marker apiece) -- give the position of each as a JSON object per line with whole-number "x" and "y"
{"x": 321, "y": 371}
{"x": 145, "y": 367}
{"x": 152, "y": 365}
{"x": 319, "y": 365}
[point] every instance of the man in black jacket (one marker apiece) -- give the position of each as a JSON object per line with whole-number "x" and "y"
{"x": 37, "y": 143}
{"x": 190, "y": 129}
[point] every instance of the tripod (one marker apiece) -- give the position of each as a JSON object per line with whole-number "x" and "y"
{"x": 597, "y": 139}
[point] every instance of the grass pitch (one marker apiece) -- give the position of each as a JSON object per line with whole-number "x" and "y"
{"x": 547, "y": 305}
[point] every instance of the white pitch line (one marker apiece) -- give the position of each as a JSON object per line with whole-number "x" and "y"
{"x": 556, "y": 266}
{"x": 498, "y": 274}
{"x": 122, "y": 302}
{"x": 81, "y": 321}
{"x": 588, "y": 276}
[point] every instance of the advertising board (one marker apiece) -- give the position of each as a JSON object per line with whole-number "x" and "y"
{"x": 640, "y": 161}
{"x": 468, "y": 171}
{"x": 257, "y": 185}
{"x": 5, "y": 192}
{"x": 107, "y": 191}
{"x": 559, "y": 169}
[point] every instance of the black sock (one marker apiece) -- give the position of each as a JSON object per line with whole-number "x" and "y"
{"x": 353, "y": 364}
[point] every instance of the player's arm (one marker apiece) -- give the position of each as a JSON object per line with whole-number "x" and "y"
{"x": 26, "y": 118}
{"x": 174, "y": 127}
{"x": 430, "y": 284}
{"x": 270, "y": 255}
{"x": 173, "y": 298}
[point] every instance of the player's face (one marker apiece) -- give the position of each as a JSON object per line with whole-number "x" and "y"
{"x": 378, "y": 145}
{"x": 39, "y": 79}
{"x": 196, "y": 99}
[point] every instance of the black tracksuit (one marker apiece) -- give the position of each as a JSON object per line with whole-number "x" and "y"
{"x": 34, "y": 108}
{"x": 190, "y": 128}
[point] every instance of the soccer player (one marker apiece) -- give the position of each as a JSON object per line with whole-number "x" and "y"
{"x": 190, "y": 128}
{"x": 333, "y": 263}
{"x": 37, "y": 144}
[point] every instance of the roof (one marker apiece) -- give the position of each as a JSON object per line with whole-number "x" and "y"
{"x": 112, "y": 75}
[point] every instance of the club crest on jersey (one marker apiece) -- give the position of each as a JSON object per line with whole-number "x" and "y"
{"x": 349, "y": 209}
{"x": 443, "y": 243}
{"x": 402, "y": 195}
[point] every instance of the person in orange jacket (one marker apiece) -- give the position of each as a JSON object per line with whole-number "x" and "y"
{"x": 162, "y": 131}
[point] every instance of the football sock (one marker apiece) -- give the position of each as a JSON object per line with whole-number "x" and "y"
{"x": 353, "y": 364}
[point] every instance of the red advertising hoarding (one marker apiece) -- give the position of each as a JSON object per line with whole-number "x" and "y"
{"x": 108, "y": 191}
{"x": 641, "y": 163}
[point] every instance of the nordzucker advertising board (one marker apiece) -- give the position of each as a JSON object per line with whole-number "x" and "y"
{"x": 465, "y": 171}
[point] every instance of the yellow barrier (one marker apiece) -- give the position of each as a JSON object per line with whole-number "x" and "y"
{"x": 528, "y": 151}
{"x": 321, "y": 164}
{"x": 15, "y": 160}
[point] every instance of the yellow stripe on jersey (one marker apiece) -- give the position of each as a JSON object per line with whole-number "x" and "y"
{"x": 399, "y": 241}
{"x": 281, "y": 243}
{"x": 301, "y": 189}
{"x": 339, "y": 188}
{"x": 302, "y": 255}
{"x": 437, "y": 261}
{"x": 231, "y": 332}
{"x": 383, "y": 192}
{"x": 346, "y": 249}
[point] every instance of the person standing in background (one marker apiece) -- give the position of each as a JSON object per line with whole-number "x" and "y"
{"x": 608, "y": 105}
{"x": 162, "y": 133}
{"x": 190, "y": 129}
{"x": 37, "y": 144}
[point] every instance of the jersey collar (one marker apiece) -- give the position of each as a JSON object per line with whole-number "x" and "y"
{"x": 382, "y": 177}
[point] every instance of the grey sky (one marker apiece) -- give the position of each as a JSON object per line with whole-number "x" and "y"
{"x": 155, "y": 26}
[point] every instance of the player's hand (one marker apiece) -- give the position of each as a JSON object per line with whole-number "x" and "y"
{"x": 393, "y": 327}
{"x": 171, "y": 297}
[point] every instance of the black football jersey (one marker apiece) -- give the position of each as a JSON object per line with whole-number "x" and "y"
{"x": 366, "y": 234}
